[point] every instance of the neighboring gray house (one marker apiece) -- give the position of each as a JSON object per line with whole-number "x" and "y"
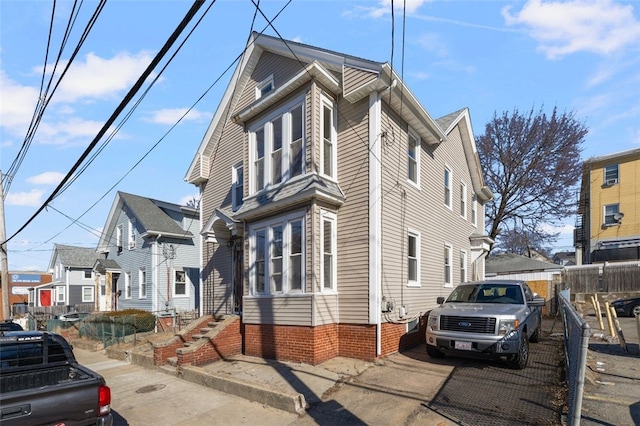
{"x": 149, "y": 256}
{"x": 73, "y": 279}
{"x": 517, "y": 267}
{"x": 335, "y": 209}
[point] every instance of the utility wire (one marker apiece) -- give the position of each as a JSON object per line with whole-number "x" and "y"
{"x": 188, "y": 17}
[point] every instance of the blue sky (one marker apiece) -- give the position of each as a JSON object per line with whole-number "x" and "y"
{"x": 491, "y": 56}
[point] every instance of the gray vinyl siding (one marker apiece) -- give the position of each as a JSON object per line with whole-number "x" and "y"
{"x": 353, "y": 217}
{"x": 355, "y": 78}
{"x": 301, "y": 310}
{"x": 76, "y": 282}
{"x": 422, "y": 210}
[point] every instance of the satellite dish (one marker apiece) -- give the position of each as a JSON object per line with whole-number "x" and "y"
{"x": 618, "y": 216}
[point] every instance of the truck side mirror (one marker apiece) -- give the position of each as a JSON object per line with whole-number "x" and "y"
{"x": 440, "y": 300}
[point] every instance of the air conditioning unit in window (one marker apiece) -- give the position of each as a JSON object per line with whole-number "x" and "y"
{"x": 610, "y": 182}
{"x": 119, "y": 249}
{"x": 132, "y": 244}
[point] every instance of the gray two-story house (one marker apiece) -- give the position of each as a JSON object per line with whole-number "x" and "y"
{"x": 148, "y": 256}
{"x": 73, "y": 278}
{"x": 335, "y": 209}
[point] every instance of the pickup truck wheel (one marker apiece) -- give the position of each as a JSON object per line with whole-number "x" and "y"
{"x": 535, "y": 337}
{"x": 434, "y": 353}
{"x": 519, "y": 360}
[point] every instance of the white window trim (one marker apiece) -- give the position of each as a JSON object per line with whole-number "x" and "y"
{"x": 128, "y": 291}
{"x": 61, "y": 291}
{"x": 325, "y": 101}
{"x": 187, "y": 284}
{"x": 615, "y": 180}
{"x": 235, "y": 203}
{"x": 119, "y": 235}
{"x": 131, "y": 238}
{"x": 326, "y": 216}
{"x": 141, "y": 272}
{"x": 464, "y": 257}
{"x": 84, "y": 277}
{"x": 91, "y": 299}
{"x": 416, "y": 235}
{"x": 463, "y": 200}
{"x": 474, "y": 211}
{"x": 264, "y": 83}
{"x": 266, "y": 225}
{"x": 604, "y": 215}
{"x": 412, "y": 134}
{"x": 448, "y": 202}
{"x": 449, "y": 249}
{"x": 285, "y": 114}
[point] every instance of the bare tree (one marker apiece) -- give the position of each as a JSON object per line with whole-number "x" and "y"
{"x": 532, "y": 164}
{"x": 193, "y": 203}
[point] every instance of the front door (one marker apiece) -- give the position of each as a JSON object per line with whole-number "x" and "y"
{"x": 238, "y": 277}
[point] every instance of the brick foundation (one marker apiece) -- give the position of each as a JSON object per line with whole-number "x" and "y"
{"x": 225, "y": 344}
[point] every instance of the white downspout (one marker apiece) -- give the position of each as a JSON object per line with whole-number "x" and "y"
{"x": 155, "y": 286}
{"x": 375, "y": 217}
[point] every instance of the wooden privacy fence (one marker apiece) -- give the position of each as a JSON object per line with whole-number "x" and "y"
{"x": 607, "y": 278}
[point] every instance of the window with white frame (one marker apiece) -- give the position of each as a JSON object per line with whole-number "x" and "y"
{"x": 328, "y": 154}
{"x": 132, "y": 233}
{"x": 448, "y": 265}
{"x": 277, "y": 147}
{"x": 127, "y": 285}
{"x": 180, "y": 283}
{"x": 447, "y": 186}
{"x": 264, "y": 87}
{"x": 328, "y": 250}
{"x": 277, "y": 255}
{"x": 413, "y": 174}
{"x": 611, "y": 214}
{"x": 87, "y": 274}
{"x": 611, "y": 176}
{"x": 463, "y": 200}
{"x": 61, "y": 294}
{"x": 142, "y": 283}
{"x": 474, "y": 210}
{"x": 119, "y": 238}
{"x": 87, "y": 294}
{"x": 413, "y": 258}
{"x": 463, "y": 266}
{"x": 237, "y": 190}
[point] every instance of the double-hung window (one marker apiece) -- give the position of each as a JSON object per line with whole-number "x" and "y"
{"x": 142, "y": 283}
{"x": 119, "y": 238}
{"x": 132, "y": 233}
{"x": 328, "y": 249}
{"x": 237, "y": 179}
{"x": 448, "y": 271}
{"x": 87, "y": 294}
{"x": 127, "y": 285}
{"x": 447, "y": 186}
{"x": 413, "y": 174}
{"x": 474, "y": 210}
{"x": 611, "y": 174}
{"x": 413, "y": 258}
{"x": 611, "y": 214}
{"x": 180, "y": 283}
{"x": 60, "y": 294}
{"x": 463, "y": 200}
{"x": 328, "y": 153}
{"x": 463, "y": 266}
{"x": 277, "y": 256}
{"x": 277, "y": 147}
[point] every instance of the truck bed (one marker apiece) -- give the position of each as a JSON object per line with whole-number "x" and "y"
{"x": 40, "y": 377}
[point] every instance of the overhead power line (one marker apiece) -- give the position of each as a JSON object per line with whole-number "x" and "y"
{"x": 136, "y": 87}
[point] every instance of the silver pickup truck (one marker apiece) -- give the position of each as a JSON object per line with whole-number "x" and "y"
{"x": 497, "y": 318}
{"x": 41, "y": 383}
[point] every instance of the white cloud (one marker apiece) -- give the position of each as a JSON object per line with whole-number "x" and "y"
{"x": 72, "y": 131}
{"x": 100, "y": 78}
{"x": 565, "y": 27}
{"x": 32, "y": 198}
{"x": 432, "y": 43}
{"x": 172, "y": 115}
{"x": 15, "y": 116}
{"x": 384, "y": 7}
{"x": 46, "y": 178}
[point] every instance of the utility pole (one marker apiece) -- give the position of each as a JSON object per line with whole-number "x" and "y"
{"x": 4, "y": 264}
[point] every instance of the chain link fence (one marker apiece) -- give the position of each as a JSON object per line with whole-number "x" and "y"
{"x": 576, "y": 345}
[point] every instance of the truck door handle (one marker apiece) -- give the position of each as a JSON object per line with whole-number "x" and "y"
{"x": 20, "y": 410}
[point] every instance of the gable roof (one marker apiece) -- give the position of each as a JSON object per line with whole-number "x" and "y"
{"x": 73, "y": 257}
{"x": 150, "y": 214}
{"x": 316, "y": 63}
{"x": 510, "y": 262}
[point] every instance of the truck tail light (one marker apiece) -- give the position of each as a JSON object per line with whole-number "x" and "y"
{"x": 104, "y": 400}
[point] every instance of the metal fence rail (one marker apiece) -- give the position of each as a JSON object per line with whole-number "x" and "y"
{"x": 576, "y": 344}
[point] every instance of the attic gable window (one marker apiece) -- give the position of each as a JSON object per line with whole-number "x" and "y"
{"x": 413, "y": 174}
{"x": 277, "y": 147}
{"x": 264, "y": 87}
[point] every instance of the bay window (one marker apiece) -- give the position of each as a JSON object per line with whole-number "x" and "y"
{"x": 277, "y": 256}
{"x": 277, "y": 147}
{"x": 328, "y": 249}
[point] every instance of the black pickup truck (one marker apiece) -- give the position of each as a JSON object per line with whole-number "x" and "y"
{"x": 42, "y": 383}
